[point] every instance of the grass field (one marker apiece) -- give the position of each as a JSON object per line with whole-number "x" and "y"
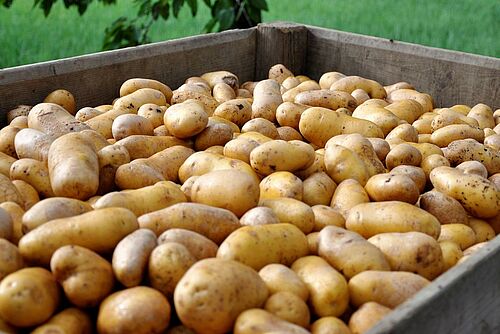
{"x": 26, "y": 36}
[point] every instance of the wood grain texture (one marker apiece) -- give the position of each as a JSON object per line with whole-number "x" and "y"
{"x": 464, "y": 300}
{"x": 280, "y": 43}
{"x": 95, "y": 79}
{"x": 451, "y": 77}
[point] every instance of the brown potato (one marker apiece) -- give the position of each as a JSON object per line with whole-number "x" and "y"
{"x": 445, "y": 208}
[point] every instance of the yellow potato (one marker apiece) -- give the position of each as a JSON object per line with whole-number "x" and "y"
{"x": 214, "y": 223}
{"x": 238, "y": 111}
{"x": 291, "y": 211}
{"x": 63, "y": 98}
{"x": 87, "y": 113}
{"x": 256, "y": 321}
{"x": 288, "y": 133}
{"x": 213, "y": 78}
{"x": 407, "y": 110}
{"x": 131, "y": 124}
{"x": 380, "y": 116}
{"x": 7, "y": 225}
{"x": 444, "y": 136}
{"x": 259, "y": 245}
{"x": 288, "y": 114}
{"x": 9, "y": 192}
{"x": 360, "y": 96}
{"x": 281, "y": 184}
{"x": 241, "y": 146}
{"x": 348, "y": 252}
{"x": 261, "y": 125}
{"x": 103, "y": 123}
{"x": 134, "y": 100}
{"x": 16, "y": 212}
{"x": 130, "y": 257}
{"x": 6, "y": 162}
{"x": 213, "y": 134}
{"x": 388, "y": 288}
{"x": 348, "y": 194}
{"x": 305, "y": 86}
{"x": 204, "y": 297}
{"x": 318, "y": 188}
{"x": 342, "y": 163}
{"x": 445, "y": 208}
{"x": 266, "y": 98}
{"x": 53, "y": 120}
{"x": 168, "y": 262}
{"x": 483, "y": 115}
{"x": 329, "y": 325}
{"x": 279, "y": 155}
{"x": 452, "y": 253}
{"x": 289, "y": 307}
{"x": 98, "y": 230}
{"x": 280, "y": 278}
{"x": 318, "y": 165}
{"x": 369, "y": 219}
{"x": 137, "y": 310}
{"x": 289, "y": 83}
{"x": 153, "y": 112}
{"x": 28, "y": 193}
{"x": 28, "y": 297}
{"x": 131, "y": 85}
{"x": 461, "y": 151}
{"x": 33, "y": 172}
{"x": 326, "y": 98}
{"x": 86, "y": 277}
{"x": 367, "y": 316}
{"x": 328, "y": 78}
{"x": 483, "y": 230}
{"x": 259, "y": 216}
{"x": 141, "y": 146}
{"x": 461, "y": 234}
{"x": 313, "y": 243}
{"x": 415, "y": 173}
{"x": 350, "y": 83}
{"x": 476, "y": 194}
{"x": 198, "y": 245}
{"x": 326, "y": 216}
{"x": 433, "y": 161}
{"x": 222, "y": 92}
{"x": 405, "y": 132}
{"x": 70, "y": 320}
{"x": 329, "y": 295}
{"x": 404, "y": 93}
{"x": 186, "y": 119}
{"x": 403, "y": 154}
{"x": 34, "y": 144}
{"x": 143, "y": 200}
{"x": 392, "y": 187}
{"x": 279, "y": 72}
{"x": 10, "y": 258}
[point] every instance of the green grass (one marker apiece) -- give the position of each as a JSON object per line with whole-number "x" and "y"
{"x": 26, "y": 36}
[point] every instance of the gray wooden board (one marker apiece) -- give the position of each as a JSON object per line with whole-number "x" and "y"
{"x": 451, "y": 77}
{"x": 464, "y": 300}
{"x": 95, "y": 79}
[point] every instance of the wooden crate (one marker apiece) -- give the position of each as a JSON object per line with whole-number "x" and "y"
{"x": 466, "y": 299}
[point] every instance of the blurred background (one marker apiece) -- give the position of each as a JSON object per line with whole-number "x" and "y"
{"x": 28, "y": 36}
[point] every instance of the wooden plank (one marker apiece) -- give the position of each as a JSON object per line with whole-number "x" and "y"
{"x": 466, "y": 299}
{"x": 451, "y": 77}
{"x": 280, "y": 43}
{"x": 95, "y": 79}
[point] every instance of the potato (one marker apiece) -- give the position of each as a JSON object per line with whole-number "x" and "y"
{"x": 70, "y": 320}
{"x": 476, "y": 194}
{"x": 360, "y": 96}
{"x": 327, "y": 287}
{"x": 10, "y": 259}
{"x": 141, "y": 146}
{"x": 433, "y": 161}
{"x": 198, "y": 245}
{"x": 186, "y": 119}
{"x": 103, "y": 123}
{"x": 266, "y": 98}
{"x": 18, "y": 111}
{"x": 22, "y": 123}
{"x": 87, "y": 113}
{"x": 153, "y": 112}
{"x": 98, "y": 230}
{"x": 130, "y": 257}
{"x": 388, "y": 288}
{"x": 445, "y": 208}
{"x": 326, "y": 216}
{"x": 137, "y": 310}
{"x": 214, "y": 223}
{"x": 461, "y": 234}
{"x": 6, "y": 162}
{"x": 447, "y": 117}
{"x": 279, "y": 72}
{"x": 213, "y": 134}
{"x": 288, "y": 133}
{"x": 7, "y": 140}
{"x": 369, "y": 219}
{"x": 305, "y": 86}
{"x": 348, "y": 252}
{"x": 444, "y": 136}
{"x": 380, "y": 116}
{"x": 261, "y": 125}
{"x": 451, "y": 253}
{"x": 213, "y": 189}
{"x": 131, "y": 124}
{"x": 255, "y": 321}
{"x": 280, "y": 278}
{"x": 279, "y": 155}
{"x": 318, "y": 189}
{"x": 143, "y": 200}
{"x": 131, "y": 85}
{"x": 9, "y": 192}
{"x": 195, "y": 92}
{"x": 213, "y": 78}
{"x": 348, "y": 194}
{"x": 313, "y": 243}
{"x": 328, "y": 78}
{"x": 53, "y": 208}
{"x": 180, "y": 330}
{"x": 28, "y": 297}
{"x": 16, "y": 212}
{"x": 482, "y": 230}
{"x": 405, "y": 132}
{"x": 168, "y": 262}
{"x": 86, "y": 277}
{"x": 318, "y": 125}
{"x": 53, "y": 120}
{"x": 288, "y": 114}
{"x": 31, "y": 143}
{"x": 350, "y": 83}
{"x": 238, "y": 111}
{"x": 468, "y": 149}
{"x": 367, "y": 316}
{"x": 326, "y": 98}
{"x": 483, "y": 115}
{"x": 28, "y": 193}
{"x": 134, "y": 100}
{"x": 403, "y": 154}
{"x": 63, "y": 98}
{"x": 407, "y": 110}
{"x": 289, "y": 83}
{"x": 423, "y": 126}
{"x": 318, "y": 165}
{"x": 291, "y": 211}
{"x": 7, "y": 225}
{"x": 222, "y": 92}
{"x": 492, "y": 141}
{"x": 289, "y": 307}
{"x": 342, "y": 163}
{"x": 204, "y": 297}
{"x": 404, "y": 93}
{"x": 161, "y": 166}
{"x": 281, "y": 184}
{"x": 33, "y": 172}
{"x": 329, "y": 325}
{"x": 392, "y": 187}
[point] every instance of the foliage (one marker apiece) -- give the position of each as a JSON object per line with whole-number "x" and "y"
{"x": 123, "y": 32}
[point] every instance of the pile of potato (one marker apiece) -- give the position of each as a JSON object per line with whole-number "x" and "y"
{"x": 280, "y": 206}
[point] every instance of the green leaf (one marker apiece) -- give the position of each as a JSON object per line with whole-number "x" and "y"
{"x": 193, "y": 4}
{"x": 6, "y": 3}
{"x": 209, "y": 27}
{"x": 254, "y": 14}
{"x": 260, "y": 4}
{"x": 225, "y": 18}
{"x": 176, "y": 6}
{"x": 208, "y": 3}
{"x": 144, "y": 8}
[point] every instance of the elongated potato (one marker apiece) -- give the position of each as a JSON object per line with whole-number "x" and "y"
{"x": 342, "y": 163}
{"x": 222, "y": 92}
{"x": 87, "y": 113}
{"x": 291, "y": 211}
{"x": 133, "y": 101}
{"x": 452, "y": 253}
{"x": 477, "y": 195}
{"x": 70, "y": 320}
{"x": 392, "y": 187}
{"x": 388, "y": 288}
{"x": 444, "y": 136}
{"x": 198, "y": 245}
{"x": 204, "y": 297}
{"x": 369, "y": 219}
{"x": 348, "y": 194}
{"x": 367, "y": 316}
{"x": 289, "y": 307}
{"x": 33, "y": 172}
{"x": 464, "y": 150}
{"x": 186, "y": 119}
{"x": 328, "y": 290}
{"x": 411, "y": 251}
{"x": 407, "y": 110}
{"x": 74, "y": 267}
{"x": 53, "y": 208}
{"x": 461, "y": 234}
{"x": 350, "y": 83}
{"x": 279, "y": 277}
{"x": 140, "y": 146}
{"x": 16, "y": 212}
{"x": 143, "y": 200}
{"x": 131, "y": 124}
{"x": 288, "y": 114}
{"x": 348, "y": 252}
{"x": 130, "y": 257}
{"x": 416, "y": 174}
{"x": 404, "y": 93}
{"x": 7, "y": 140}
{"x": 10, "y": 258}
{"x": 28, "y": 297}
{"x": 260, "y": 245}
{"x": 213, "y": 78}
{"x": 327, "y": 79}
{"x": 138, "y": 310}
{"x": 266, "y": 98}
{"x": 31, "y": 143}
{"x": 279, "y": 155}
{"x": 445, "y": 208}
{"x": 326, "y": 98}
{"x": 238, "y": 111}
{"x": 305, "y": 86}
{"x": 483, "y": 230}
{"x": 28, "y": 193}
{"x": 255, "y": 321}
{"x": 53, "y": 120}
{"x": 103, "y": 123}
{"x": 380, "y": 116}
{"x": 98, "y": 230}
{"x": 131, "y": 85}
{"x": 318, "y": 189}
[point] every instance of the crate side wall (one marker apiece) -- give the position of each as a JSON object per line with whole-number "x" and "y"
{"x": 450, "y": 77}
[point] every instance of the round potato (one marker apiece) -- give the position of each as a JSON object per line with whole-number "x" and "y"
{"x": 392, "y": 187}
{"x": 281, "y": 184}
{"x": 403, "y": 154}
{"x": 186, "y": 119}
{"x": 318, "y": 189}
{"x": 417, "y": 174}
{"x": 329, "y": 325}
{"x": 137, "y": 310}
{"x": 289, "y": 307}
{"x": 348, "y": 194}
{"x": 261, "y": 125}
{"x": 445, "y": 208}
{"x": 291, "y": 211}
{"x": 259, "y": 216}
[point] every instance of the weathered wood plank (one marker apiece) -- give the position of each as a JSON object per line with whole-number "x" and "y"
{"x": 466, "y": 299}
{"x": 280, "y": 43}
{"x": 95, "y": 79}
{"x": 451, "y": 77}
